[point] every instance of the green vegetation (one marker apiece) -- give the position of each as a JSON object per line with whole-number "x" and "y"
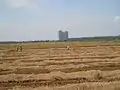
{"x": 102, "y": 38}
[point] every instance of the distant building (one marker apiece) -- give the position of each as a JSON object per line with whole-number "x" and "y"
{"x": 60, "y": 35}
{"x": 63, "y": 35}
{"x": 66, "y": 35}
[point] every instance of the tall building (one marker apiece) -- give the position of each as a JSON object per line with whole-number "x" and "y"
{"x": 60, "y": 35}
{"x": 66, "y": 35}
{"x": 63, "y": 35}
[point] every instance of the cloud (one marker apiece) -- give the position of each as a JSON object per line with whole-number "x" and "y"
{"x": 17, "y": 3}
{"x": 22, "y": 4}
{"x": 117, "y": 18}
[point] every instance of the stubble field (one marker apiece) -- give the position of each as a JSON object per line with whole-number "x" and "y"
{"x": 50, "y": 66}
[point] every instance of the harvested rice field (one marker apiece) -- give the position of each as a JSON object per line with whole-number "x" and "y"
{"x": 51, "y": 66}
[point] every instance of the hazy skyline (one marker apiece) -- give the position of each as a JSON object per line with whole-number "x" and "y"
{"x": 42, "y": 19}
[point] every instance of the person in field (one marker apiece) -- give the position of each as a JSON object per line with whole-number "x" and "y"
{"x": 68, "y": 47}
{"x": 19, "y": 48}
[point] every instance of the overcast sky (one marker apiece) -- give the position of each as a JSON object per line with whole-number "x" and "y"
{"x": 41, "y": 19}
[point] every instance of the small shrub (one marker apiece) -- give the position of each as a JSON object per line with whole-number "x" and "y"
{"x": 98, "y": 76}
{"x": 57, "y": 78}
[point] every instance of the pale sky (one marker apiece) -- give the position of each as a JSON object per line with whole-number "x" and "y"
{"x": 42, "y": 19}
